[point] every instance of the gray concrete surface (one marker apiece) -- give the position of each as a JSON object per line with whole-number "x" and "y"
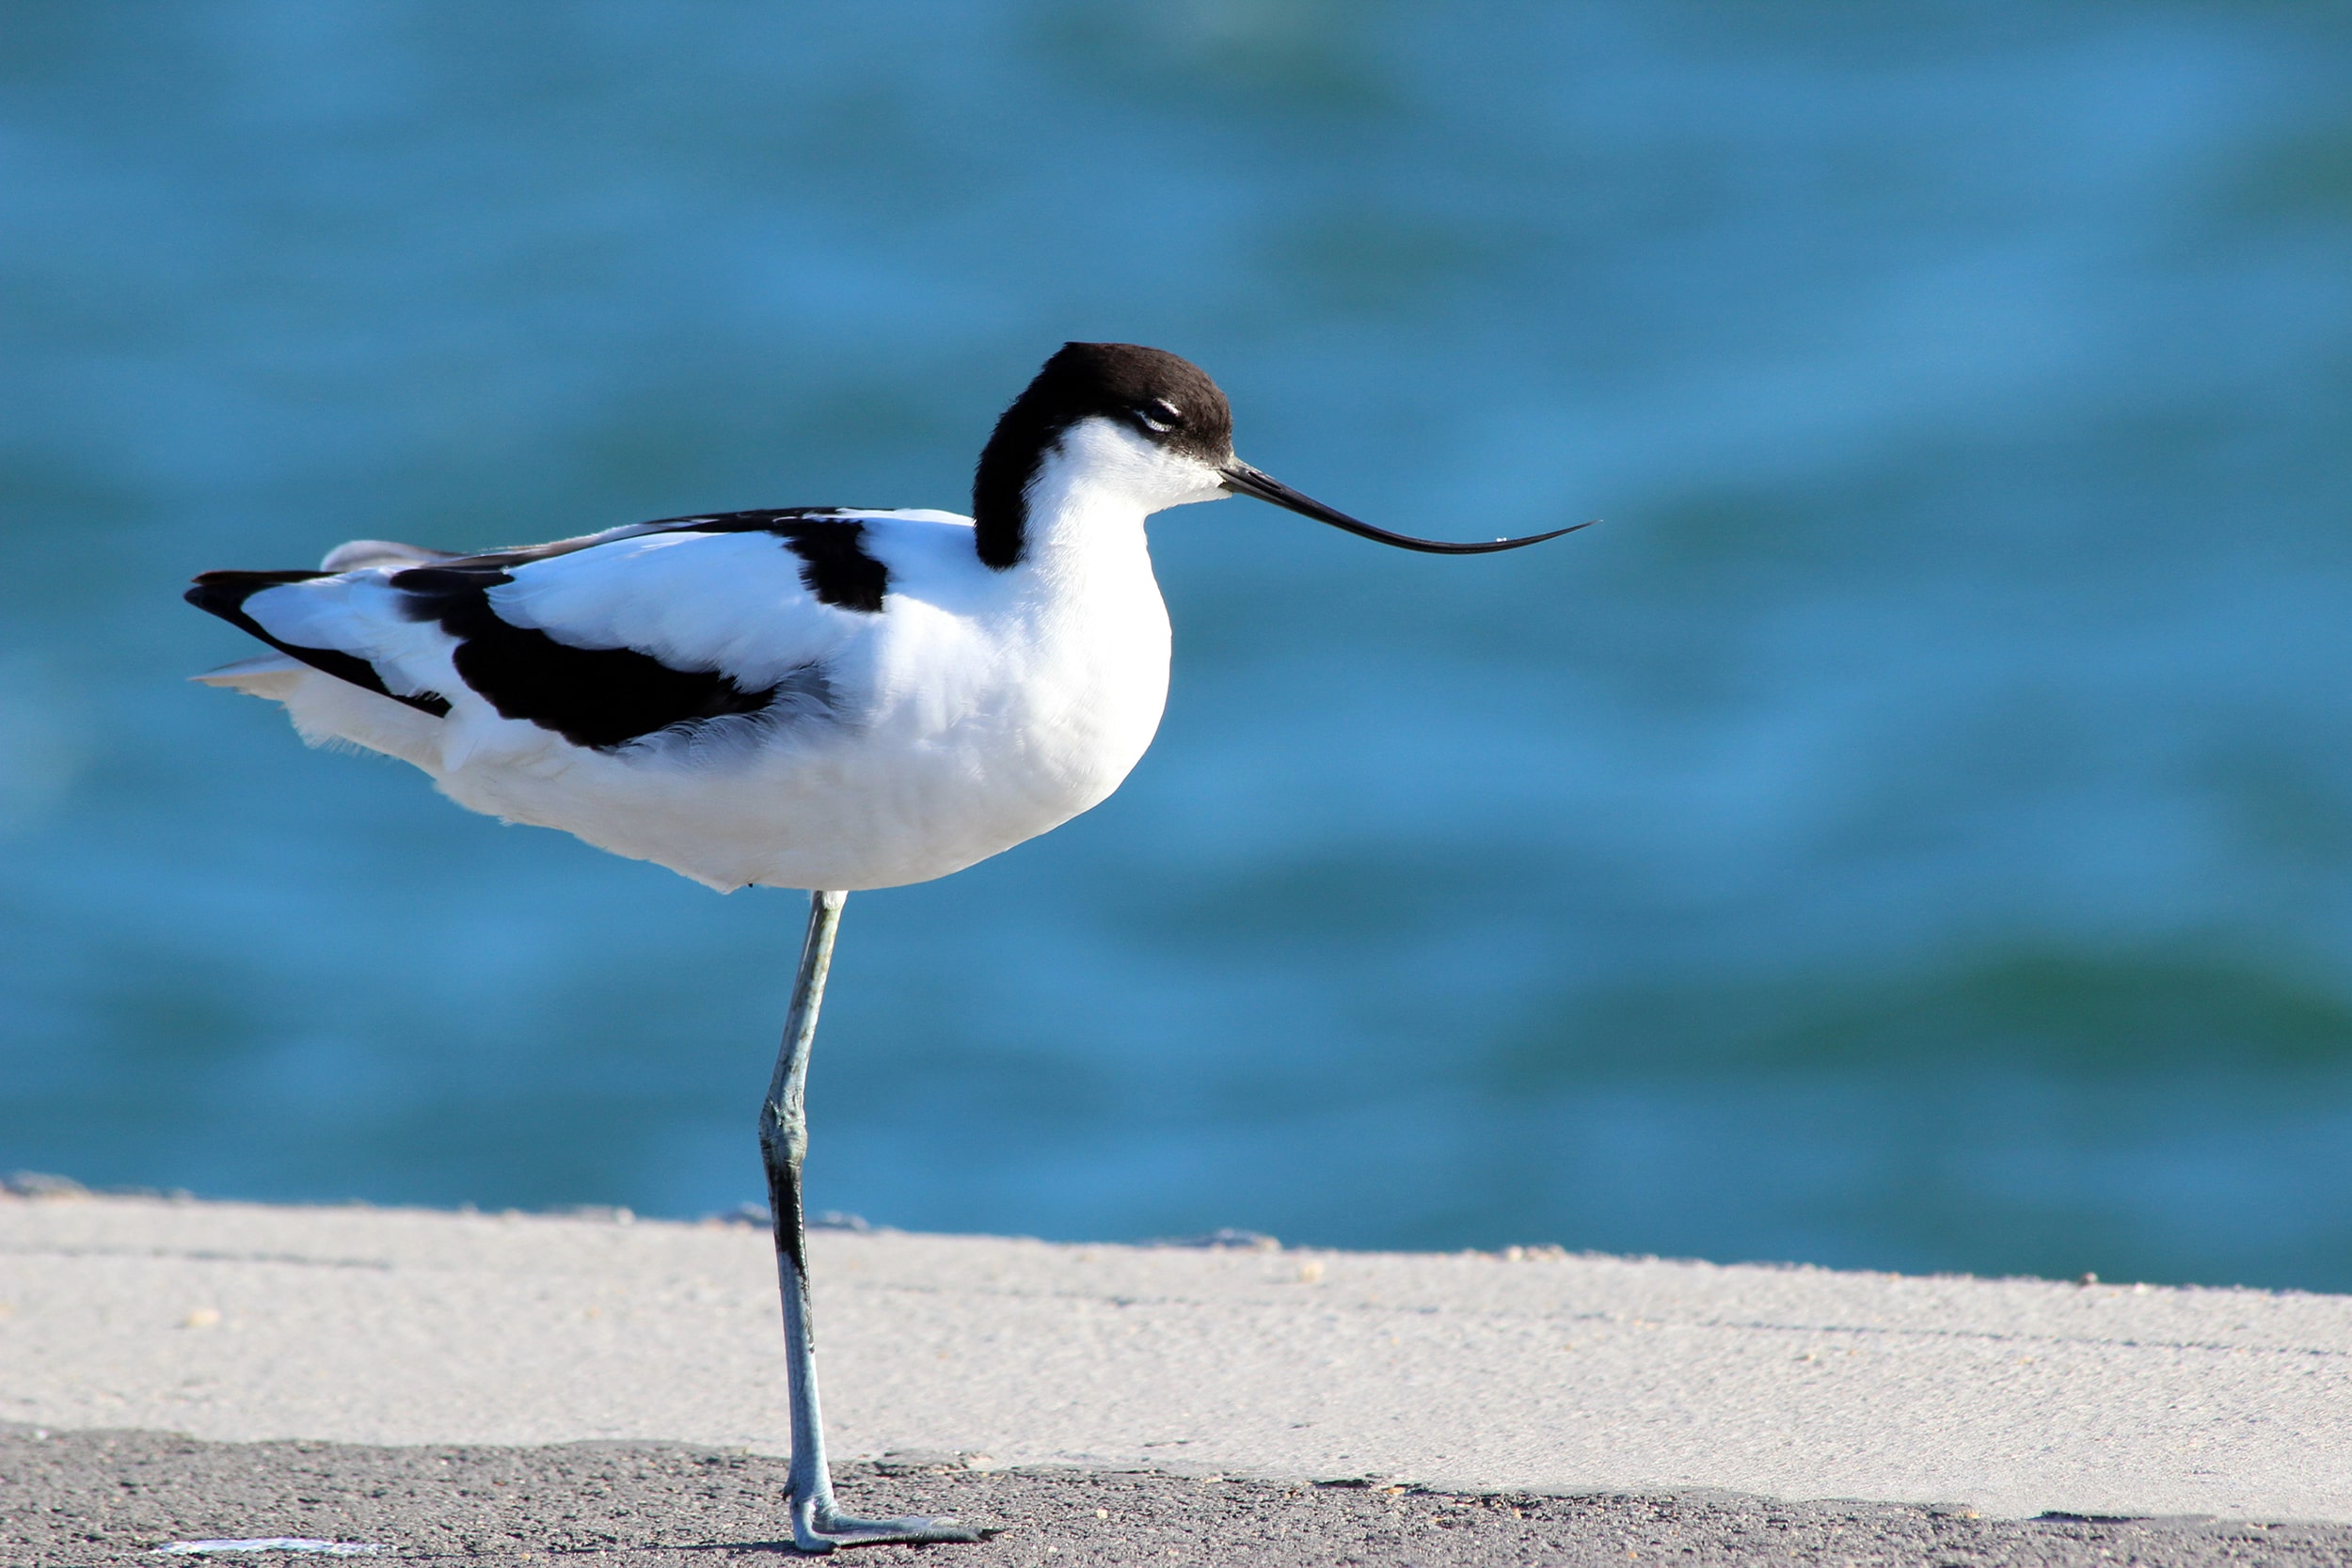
{"x": 85, "y": 1499}
{"x": 1479, "y": 1374}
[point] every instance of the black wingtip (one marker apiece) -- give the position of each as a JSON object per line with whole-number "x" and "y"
{"x": 223, "y": 593}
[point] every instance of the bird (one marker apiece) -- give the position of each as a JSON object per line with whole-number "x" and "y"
{"x": 830, "y": 698}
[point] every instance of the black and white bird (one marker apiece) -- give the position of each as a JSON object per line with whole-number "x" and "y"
{"x": 828, "y": 698}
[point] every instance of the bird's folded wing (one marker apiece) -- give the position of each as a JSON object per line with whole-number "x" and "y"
{"x": 732, "y": 605}
{"x": 736, "y": 603}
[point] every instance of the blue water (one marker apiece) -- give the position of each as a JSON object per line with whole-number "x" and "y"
{"x": 1915, "y": 832}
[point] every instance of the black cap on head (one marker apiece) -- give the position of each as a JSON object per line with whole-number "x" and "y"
{"x": 1167, "y": 399}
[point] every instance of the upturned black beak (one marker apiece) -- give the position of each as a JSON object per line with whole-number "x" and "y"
{"x": 1243, "y": 479}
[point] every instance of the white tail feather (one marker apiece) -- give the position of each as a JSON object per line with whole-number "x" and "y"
{"x": 329, "y": 712}
{"x": 270, "y": 675}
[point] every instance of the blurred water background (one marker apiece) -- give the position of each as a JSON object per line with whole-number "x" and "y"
{"x": 1914, "y": 832}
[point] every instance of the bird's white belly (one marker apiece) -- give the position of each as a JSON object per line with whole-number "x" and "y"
{"x": 922, "y": 774}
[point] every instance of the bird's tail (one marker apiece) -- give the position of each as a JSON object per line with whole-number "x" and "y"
{"x": 271, "y": 675}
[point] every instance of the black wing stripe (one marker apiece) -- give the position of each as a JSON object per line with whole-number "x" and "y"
{"x": 835, "y": 565}
{"x": 599, "y": 698}
{"x": 223, "y": 593}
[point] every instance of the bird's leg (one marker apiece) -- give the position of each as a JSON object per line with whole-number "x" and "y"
{"x": 818, "y": 1524}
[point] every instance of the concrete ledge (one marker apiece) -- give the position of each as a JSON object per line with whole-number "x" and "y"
{"x": 1475, "y": 1373}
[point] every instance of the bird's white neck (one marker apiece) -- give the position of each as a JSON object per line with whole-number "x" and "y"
{"x": 1087, "y": 504}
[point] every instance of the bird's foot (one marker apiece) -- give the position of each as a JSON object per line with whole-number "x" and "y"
{"x": 821, "y": 1529}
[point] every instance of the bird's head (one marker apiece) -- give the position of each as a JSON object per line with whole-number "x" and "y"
{"x": 1152, "y": 426}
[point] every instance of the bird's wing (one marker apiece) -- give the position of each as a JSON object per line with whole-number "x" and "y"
{"x": 602, "y": 639}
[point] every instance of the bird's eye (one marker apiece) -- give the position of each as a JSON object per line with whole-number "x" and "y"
{"x": 1159, "y": 416}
